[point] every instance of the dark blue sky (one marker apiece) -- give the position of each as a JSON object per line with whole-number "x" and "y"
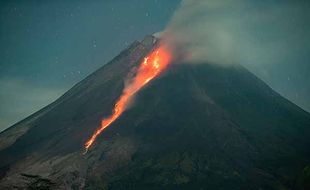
{"x": 48, "y": 46}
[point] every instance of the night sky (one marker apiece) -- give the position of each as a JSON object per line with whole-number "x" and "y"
{"x": 48, "y": 46}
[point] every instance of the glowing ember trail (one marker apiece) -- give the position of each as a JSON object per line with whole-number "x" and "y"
{"x": 151, "y": 67}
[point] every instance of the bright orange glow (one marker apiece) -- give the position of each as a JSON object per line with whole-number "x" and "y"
{"x": 151, "y": 67}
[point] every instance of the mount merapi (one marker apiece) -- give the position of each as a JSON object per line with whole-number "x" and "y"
{"x": 196, "y": 126}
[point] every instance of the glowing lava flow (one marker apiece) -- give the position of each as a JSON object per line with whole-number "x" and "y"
{"x": 151, "y": 67}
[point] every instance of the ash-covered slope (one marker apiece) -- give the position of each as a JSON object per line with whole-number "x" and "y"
{"x": 197, "y": 126}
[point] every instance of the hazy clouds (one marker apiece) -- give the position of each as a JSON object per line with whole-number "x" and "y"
{"x": 45, "y": 46}
{"x": 22, "y": 98}
{"x": 48, "y": 46}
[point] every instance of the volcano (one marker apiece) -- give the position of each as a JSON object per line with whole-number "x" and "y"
{"x": 195, "y": 126}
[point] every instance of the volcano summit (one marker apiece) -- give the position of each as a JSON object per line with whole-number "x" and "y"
{"x": 194, "y": 126}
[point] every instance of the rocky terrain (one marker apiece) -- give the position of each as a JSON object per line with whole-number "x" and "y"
{"x": 197, "y": 126}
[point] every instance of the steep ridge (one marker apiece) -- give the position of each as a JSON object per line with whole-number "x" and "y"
{"x": 197, "y": 126}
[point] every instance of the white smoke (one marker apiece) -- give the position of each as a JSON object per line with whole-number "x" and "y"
{"x": 230, "y": 31}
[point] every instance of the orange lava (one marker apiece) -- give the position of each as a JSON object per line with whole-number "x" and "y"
{"x": 151, "y": 67}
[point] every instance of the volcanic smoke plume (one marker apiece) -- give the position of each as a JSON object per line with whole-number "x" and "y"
{"x": 150, "y": 68}
{"x": 196, "y": 117}
{"x": 257, "y": 33}
{"x": 209, "y": 31}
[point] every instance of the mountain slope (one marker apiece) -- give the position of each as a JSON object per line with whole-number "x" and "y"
{"x": 197, "y": 126}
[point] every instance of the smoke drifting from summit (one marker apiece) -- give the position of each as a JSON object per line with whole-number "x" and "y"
{"x": 197, "y": 32}
{"x": 236, "y": 31}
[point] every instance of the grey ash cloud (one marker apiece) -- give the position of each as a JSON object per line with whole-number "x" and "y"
{"x": 46, "y": 47}
{"x": 271, "y": 38}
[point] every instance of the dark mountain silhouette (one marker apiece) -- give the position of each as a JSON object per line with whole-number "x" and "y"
{"x": 197, "y": 126}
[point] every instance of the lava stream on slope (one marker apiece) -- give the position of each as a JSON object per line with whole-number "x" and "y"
{"x": 152, "y": 65}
